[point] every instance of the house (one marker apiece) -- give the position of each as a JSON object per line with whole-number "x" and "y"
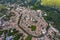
{"x": 1, "y": 38}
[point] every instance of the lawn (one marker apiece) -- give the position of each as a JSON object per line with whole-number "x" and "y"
{"x": 2, "y": 6}
{"x": 1, "y": 32}
{"x": 33, "y": 27}
{"x": 28, "y": 37}
{"x": 55, "y": 3}
{"x": 51, "y": 3}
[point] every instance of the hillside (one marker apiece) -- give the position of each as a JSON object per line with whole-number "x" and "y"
{"x": 51, "y": 3}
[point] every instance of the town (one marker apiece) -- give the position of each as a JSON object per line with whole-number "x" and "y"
{"x": 18, "y": 22}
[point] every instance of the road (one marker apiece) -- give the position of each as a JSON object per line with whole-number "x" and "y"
{"x": 19, "y": 27}
{"x": 53, "y": 28}
{"x": 28, "y": 32}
